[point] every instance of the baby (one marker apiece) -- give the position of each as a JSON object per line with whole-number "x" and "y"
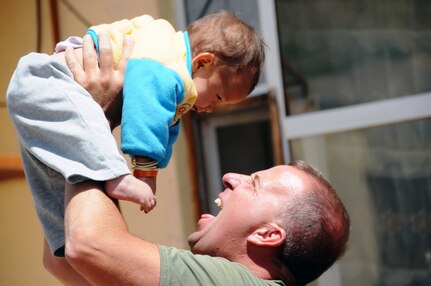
{"x": 65, "y": 137}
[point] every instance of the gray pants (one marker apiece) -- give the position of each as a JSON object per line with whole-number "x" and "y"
{"x": 63, "y": 136}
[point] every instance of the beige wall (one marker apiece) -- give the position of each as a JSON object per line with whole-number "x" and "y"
{"x": 21, "y": 236}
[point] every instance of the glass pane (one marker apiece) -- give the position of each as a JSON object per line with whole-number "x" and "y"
{"x": 249, "y": 149}
{"x": 384, "y": 177}
{"x": 338, "y": 53}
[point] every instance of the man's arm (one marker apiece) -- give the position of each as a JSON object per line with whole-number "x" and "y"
{"x": 98, "y": 244}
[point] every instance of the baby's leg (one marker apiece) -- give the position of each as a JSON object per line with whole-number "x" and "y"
{"x": 61, "y": 269}
{"x": 129, "y": 188}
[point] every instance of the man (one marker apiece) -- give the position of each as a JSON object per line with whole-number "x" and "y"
{"x": 281, "y": 226}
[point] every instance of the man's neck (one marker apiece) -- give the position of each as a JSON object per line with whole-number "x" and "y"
{"x": 265, "y": 267}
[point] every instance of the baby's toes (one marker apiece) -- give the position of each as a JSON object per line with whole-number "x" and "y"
{"x": 149, "y": 205}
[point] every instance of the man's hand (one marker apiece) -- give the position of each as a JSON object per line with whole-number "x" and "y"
{"x": 100, "y": 78}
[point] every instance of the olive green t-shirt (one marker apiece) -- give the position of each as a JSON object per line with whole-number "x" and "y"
{"x": 181, "y": 267}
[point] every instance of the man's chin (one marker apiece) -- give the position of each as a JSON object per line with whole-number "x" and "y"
{"x": 194, "y": 248}
{"x": 191, "y": 241}
{"x": 193, "y": 238}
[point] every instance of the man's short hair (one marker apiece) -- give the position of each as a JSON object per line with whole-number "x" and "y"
{"x": 317, "y": 227}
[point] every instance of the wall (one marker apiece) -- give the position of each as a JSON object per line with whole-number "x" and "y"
{"x": 21, "y": 236}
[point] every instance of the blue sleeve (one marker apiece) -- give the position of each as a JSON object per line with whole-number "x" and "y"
{"x": 151, "y": 93}
{"x": 173, "y": 134}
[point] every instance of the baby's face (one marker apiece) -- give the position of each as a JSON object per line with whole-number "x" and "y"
{"x": 219, "y": 86}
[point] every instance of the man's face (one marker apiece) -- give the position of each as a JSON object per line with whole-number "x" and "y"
{"x": 247, "y": 202}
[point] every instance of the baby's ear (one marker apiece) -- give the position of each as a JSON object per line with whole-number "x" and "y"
{"x": 202, "y": 60}
{"x": 268, "y": 235}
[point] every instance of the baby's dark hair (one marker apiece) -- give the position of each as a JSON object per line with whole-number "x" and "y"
{"x": 235, "y": 43}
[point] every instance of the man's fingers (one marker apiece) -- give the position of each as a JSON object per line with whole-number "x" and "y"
{"x": 99, "y": 76}
{"x": 105, "y": 52}
{"x": 127, "y": 50}
{"x": 89, "y": 54}
{"x": 73, "y": 63}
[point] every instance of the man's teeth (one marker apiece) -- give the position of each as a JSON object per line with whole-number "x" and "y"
{"x": 218, "y": 202}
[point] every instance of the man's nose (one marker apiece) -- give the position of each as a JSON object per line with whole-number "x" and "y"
{"x": 228, "y": 180}
{"x": 231, "y": 180}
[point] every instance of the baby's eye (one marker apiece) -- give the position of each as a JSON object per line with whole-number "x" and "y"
{"x": 219, "y": 98}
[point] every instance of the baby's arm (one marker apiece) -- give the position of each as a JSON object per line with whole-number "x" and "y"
{"x": 151, "y": 92}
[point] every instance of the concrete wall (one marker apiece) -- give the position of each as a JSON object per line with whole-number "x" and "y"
{"x": 21, "y": 237}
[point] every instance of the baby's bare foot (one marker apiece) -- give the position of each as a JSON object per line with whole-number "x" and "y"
{"x": 131, "y": 189}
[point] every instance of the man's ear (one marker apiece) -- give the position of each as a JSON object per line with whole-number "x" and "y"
{"x": 268, "y": 235}
{"x": 202, "y": 60}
